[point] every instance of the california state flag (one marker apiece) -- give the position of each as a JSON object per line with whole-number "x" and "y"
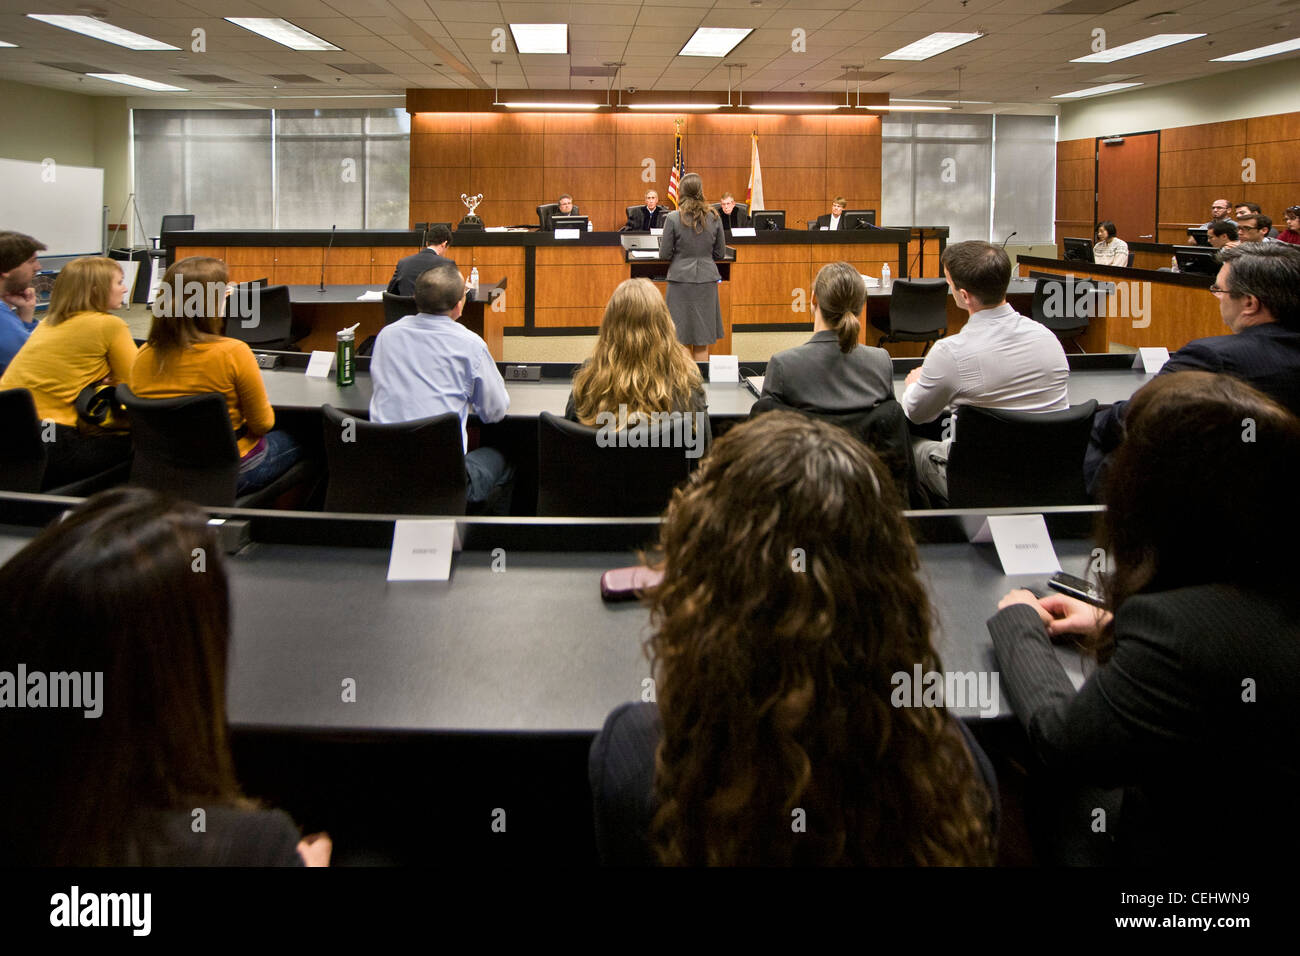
{"x": 755, "y": 195}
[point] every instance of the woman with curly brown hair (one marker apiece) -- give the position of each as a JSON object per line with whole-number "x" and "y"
{"x": 774, "y": 740}
{"x": 638, "y": 368}
{"x": 1191, "y": 705}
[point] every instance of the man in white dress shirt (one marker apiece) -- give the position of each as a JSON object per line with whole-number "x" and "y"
{"x": 1000, "y": 358}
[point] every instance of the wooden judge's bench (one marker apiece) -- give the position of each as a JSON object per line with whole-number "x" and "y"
{"x": 553, "y": 286}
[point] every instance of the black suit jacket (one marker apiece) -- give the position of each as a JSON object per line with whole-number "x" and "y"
{"x": 1266, "y": 357}
{"x": 642, "y": 220}
{"x": 411, "y": 268}
{"x": 1209, "y": 776}
{"x": 824, "y": 221}
{"x": 730, "y": 220}
{"x": 621, "y": 767}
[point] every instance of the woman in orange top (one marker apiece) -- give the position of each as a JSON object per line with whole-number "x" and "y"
{"x": 77, "y": 344}
{"x": 186, "y": 354}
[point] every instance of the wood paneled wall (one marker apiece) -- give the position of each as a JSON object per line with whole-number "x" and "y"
{"x": 1198, "y": 164}
{"x": 519, "y": 161}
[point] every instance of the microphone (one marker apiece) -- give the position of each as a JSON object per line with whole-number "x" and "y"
{"x": 1007, "y": 239}
{"x": 325, "y": 259}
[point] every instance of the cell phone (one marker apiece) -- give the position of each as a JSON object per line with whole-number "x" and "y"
{"x": 626, "y": 584}
{"x": 1076, "y": 588}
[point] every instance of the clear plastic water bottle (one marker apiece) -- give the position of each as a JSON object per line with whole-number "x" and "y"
{"x": 473, "y": 278}
{"x": 885, "y": 276}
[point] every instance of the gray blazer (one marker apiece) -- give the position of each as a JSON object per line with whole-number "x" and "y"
{"x": 818, "y": 376}
{"x": 691, "y": 254}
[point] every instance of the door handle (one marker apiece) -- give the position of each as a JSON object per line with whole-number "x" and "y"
{"x": 1146, "y": 237}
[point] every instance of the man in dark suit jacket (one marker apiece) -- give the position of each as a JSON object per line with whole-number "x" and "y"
{"x": 834, "y": 219}
{"x": 566, "y": 208}
{"x": 1262, "y": 308}
{"x": 647, "y": 217}
{"x": 412, "y": 267}
{"x": 732, "y": 215}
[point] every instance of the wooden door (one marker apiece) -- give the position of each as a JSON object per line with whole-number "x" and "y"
{"x": 1127, "y": 174}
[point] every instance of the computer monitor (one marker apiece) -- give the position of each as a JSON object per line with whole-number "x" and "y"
{"x": 771, "y": 220}
{"x": 1078, "y": 250}
{"x": 569, "y": 222}
{"x": 1199, "y": 236}
{"x": 1196, "y": 260}
{"x": 858, "y": 219}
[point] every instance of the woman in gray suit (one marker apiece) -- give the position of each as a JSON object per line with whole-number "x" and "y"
{"x": 831, "y": 372}
{"x": 692, "y": 240}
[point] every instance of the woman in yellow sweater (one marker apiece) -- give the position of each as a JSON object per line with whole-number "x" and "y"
{"x": 77, "y": 344}
{"x": 186, "y": 354}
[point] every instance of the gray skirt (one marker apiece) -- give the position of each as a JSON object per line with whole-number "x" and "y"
{"x": 695, "y": 311}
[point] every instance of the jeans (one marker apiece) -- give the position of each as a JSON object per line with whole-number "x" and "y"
{"x": 490, "y": 479}
{"x": 282, "y": 453}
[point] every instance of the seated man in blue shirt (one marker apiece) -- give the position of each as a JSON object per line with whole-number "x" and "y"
{"x": 428, "y": 364}
{"x": 18, "y": 266}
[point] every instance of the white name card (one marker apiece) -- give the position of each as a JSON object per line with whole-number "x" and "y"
{"x": 567, "y": 233}
{"x": 1022, "y": 543}
{"x": 657, "y": 232}
{"x": 743, "y": 231}
{"x": 422, "y": 550}
{"x": 1151, "y": 360}
{"x": 320, "y": 364}
{"x": 724, "y": 368}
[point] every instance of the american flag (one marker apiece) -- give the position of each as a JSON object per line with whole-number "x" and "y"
{"x": 675, "y": 177}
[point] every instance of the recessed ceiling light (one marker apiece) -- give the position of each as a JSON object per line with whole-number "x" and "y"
{"x": 714, "y": 41}
{"x": 904, "y": 108}
{"x": 517, "y": 105}
{"x": 1286, "y": 46}
{"x": 1095, "y": 90}
{"x": 794, "y": 106}
{"x": 129, "y": 80}
{"x": 3, "y": 43}
{"x": 282, "y": 32}
{"x": 1138, "y": 47}
{"x": 89, "y": 26}
{"x": 674, "y": 107}
{"x": 541, "y": 37}
{"x": 932, "y": 45}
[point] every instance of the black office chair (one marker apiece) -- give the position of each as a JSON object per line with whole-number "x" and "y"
{"x": 23, "y": 455}
{"x": 1130, "y": 260}
{"x": 272, "y": 315}
{"x": 918, "y": 312}
{"x": 743, "y": 207}
{"x": 398, "y": 307}
{"x": 172, "y": 223}
{"x": 1065, "y": 308}
{"x": 186, "y": 447}
{"x": 1005, "y": 459}
{"x": 882, "y": 428}
{"x": 577, "y": 477}
{"x": 404, "y": 468}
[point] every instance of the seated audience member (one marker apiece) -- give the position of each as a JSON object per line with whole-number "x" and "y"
{"x": 1222, "y": 234}
{"x": 774, "y": 681}
{"x": 831, "y": 372}
{"x": 732, "y": 215}
{"x": 1291, "y": 233}
{"x": 1110, "y": 250}
{"x": 1220, "y": 209}
{"x": 110, "y": 595}
{"x": 567, "y": 208}
{"x": 429, "y": 364}
{"x": 638, "y": 367}
{"x": 1199, "y": 650}
{"x": 187, "y": 354}
{"x": 76, "y": 346}
{"x": 1245, "y": 209}
{"x": 18, "y": 266}
{"x": 835, "y": 218}
{"x": 1255, "y": 227}
{"x": 409, "y": 268}
{"x": 999, "y": 359}
{"x": 1258, "y": 288}
{"x": 647, "y": 217}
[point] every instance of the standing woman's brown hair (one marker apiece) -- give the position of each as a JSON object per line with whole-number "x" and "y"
{"x": 773, "y": 652}
{"x": 695, "y": 211}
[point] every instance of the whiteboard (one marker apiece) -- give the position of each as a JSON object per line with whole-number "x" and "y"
{"x": 61, "y": 206}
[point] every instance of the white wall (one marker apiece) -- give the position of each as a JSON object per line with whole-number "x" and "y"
{"x": 1239, "y": 94}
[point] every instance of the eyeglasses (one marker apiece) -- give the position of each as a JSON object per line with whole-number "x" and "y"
{"x": 1216, "y": 290}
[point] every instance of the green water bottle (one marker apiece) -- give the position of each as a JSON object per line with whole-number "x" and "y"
{"x": 347, "y": 350}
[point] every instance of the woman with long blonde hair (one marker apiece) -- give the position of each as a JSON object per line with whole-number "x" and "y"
{"x": 637, "y": 365}
{"x": 692, "y": 240}
{"x": 78, "y": 344}
{"x": 774, "y": 652}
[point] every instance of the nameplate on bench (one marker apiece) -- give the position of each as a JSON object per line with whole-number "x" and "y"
{"x": 422, "y": 550}
{"x": 1022, "y": 542}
